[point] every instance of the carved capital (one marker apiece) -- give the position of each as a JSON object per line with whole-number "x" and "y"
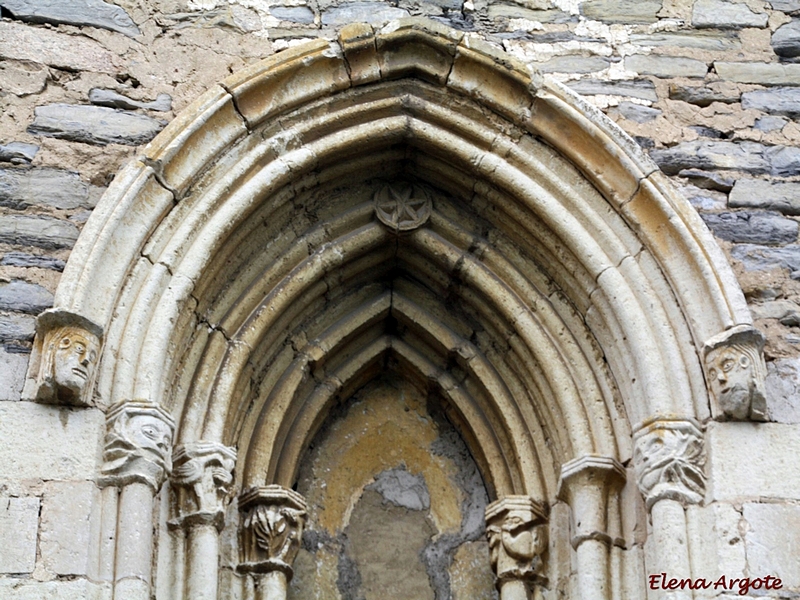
{"x": 272, "y": 529}
{"x": 668, "y": 459}
{"x": 736, "y": 373}
{"x": 64, "y": 359}
{"x": 517, "y": 530}
{"x": 202, "y": 475}
{"x": 138, "y": 444}
{"x": 586, "y": 484}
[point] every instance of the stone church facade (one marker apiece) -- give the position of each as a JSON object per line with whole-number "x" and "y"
{"x": 353, "y": 300}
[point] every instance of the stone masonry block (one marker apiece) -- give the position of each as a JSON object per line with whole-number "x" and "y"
{"x": 66, "y": 526}
{"x": 753, "y": 460}
{"x": 79, "y": 589}
{"x": 773, "y": 539}
{"x": 48, "y": 442}
{"x": 783, "y": 390}
{"x": 19, "y": 520}
{"x": 12, "y": 374}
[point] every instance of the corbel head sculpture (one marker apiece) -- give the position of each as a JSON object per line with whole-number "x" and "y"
{"x": 736, "y": 373}
{"x": 138, "y": 444}
{"x": 64, "y": 359}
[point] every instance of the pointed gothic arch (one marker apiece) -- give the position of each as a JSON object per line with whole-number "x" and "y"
{"x": 559, "y": 294}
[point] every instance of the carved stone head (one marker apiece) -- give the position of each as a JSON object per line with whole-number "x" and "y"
{"x": 138, "y": 443}
{"x": 66, "y": 355}
{"x": 517, "y": 531}
{"x": 736, "y": 373}
{"x": 668, "y": 459}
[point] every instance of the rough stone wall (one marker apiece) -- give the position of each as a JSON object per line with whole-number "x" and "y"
{"x": 710, "y": 87}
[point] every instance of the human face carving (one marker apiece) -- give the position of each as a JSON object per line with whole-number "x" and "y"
{"x": 730, "y": 373}
{"x": 150, "y": 434}
{"x": 75, "y": 359}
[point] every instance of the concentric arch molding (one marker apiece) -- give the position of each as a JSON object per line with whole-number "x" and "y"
{"x": 596, "y": 281}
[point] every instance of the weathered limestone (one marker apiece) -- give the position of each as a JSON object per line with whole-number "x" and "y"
{"x": 773, "y": 531}
{"x": 517, "y": 530}
{"x": 69, "y": 520}
{"x": 93, "y": 124}
{"x": 553, "y": 290}
{"x": 271, "y": 535}
{"x": 12, "y": 374}
{"x": 736, "y": 373}
{"x": 783, "y": 393}
{"x": 741, "y": 461}
{"x": 19, "y": 521}
{"x": 30, "y": 432}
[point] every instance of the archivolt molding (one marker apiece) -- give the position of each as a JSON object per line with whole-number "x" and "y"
{"x": 559, "y": 291}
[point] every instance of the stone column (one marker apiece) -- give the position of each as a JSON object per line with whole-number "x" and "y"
{"x": 669, "y": 459}
{"x": 201, "y": 478}
{"x": 587, "y": 484}
{"x": 517, "y": 530}
{"x": 136, "y": 461}
{"x": 271, "y": 534}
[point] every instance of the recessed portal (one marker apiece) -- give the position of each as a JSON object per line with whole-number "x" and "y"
{"x": 395, "y": 502}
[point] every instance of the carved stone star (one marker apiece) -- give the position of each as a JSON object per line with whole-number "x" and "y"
{"x": 402, "y": 206}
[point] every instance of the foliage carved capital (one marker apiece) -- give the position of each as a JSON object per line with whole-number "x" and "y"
{"x": 272, "y": 528}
